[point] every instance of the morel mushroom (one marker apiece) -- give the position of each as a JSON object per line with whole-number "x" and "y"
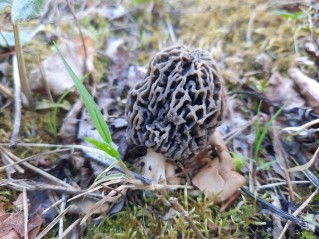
{"x": 175, "y": 109}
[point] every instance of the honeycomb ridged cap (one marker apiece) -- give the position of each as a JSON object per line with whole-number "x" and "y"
{"x": 178, "y": 105}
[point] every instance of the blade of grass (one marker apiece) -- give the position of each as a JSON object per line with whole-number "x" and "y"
{"x": 89, "y": 103}
{"x": 108, "y": 148}
{"x": 265, "y": 130}
{"x": 257, "y": 134}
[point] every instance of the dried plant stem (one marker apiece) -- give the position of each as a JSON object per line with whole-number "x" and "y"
{"x": 282, "y": 214}
{"x": 49, "y": 227}
{"x": 299, "y": 209}
{"x": 17, "y": 104}
{"x": 22, "y": 72}
{"x": 70, "y": 228}
{"x": 281, "y": 158}
{"x": 25, "y": 213}
{"x": 37, "y": 170}
{"x": 277, "y": 227}
{"x": 18, "y": 168}
{"x": 85, "y": 67}
{"x": 173, "y": 202}
{"x": 62, "y": 208}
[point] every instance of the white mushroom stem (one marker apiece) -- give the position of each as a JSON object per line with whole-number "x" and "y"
{"x": 154, "y": 167}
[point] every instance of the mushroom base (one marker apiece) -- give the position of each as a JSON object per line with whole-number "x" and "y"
{"x": 154, "y": 166}
{"x": 157, "y": 168}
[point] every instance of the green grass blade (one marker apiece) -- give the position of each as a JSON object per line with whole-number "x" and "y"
{"x": 109, "y": 149}
{"x": 267, "y": 127}
{"x": 257, "y": 134}
{"x": 89, "y": 103}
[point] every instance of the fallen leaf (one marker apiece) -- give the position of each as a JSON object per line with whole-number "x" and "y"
{"x": 308, "y": 88}
{"x": 280, "y": 90}
{"x": 56, "y": 76}
{"x": 12, "y": 224}
{"x": 219, "y": 180}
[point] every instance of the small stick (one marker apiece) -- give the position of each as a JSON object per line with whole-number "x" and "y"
{"x": 70, "y": 228}
{"x": 21, "y": 170}
{"x": 25, "y": 213}
{"x": 282, "y": 214}
{"x": 21, "y": 66}
{"x": 277, "y": 228}
{"x": 299, "y": 209}
{"x": 17, "y": 104}
{"x": 282, "y": 158}
{"x": 174, "y": 203}
{"x": 81, "y": 35}
{"x": 44, "y": 79}
{"x": 62, "y": 208}
{"x": 49, "y": 227}
{"x": 37, "y": 170}
{"x": 9, "y": 164}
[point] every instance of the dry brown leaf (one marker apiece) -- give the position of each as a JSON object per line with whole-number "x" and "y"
{"x": 56, "y": 76}
{"x": 309, "y": 88}
{"x": 280, "y": 90}
{"x": 12, "y": 224}
{"x": 219, "y": 179}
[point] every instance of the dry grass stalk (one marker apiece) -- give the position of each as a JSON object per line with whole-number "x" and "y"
{"x": 299, "y": 209}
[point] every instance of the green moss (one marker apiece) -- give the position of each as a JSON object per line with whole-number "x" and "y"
{"x": 146, "y": 221}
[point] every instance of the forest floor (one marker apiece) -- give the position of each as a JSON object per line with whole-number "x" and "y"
{"x": 268, "y": 56}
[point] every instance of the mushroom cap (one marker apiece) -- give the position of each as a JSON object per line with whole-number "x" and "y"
{"x": 178, "y": 105}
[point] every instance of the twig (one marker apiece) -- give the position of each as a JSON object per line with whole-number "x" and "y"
{"x": 37, "y": 170}
{"x": 312, "y": 178}
{"x": 173, "y": 201}
{"x": 70, "y": 228}
{"x": 5, "y": 90}
{"x": 249, "y": 41}
{"x": 293, "y": 131}
{"x": 277, "y": 227}
{"x": 49, "y": 227}
{"x": 36, "y": 186}
{"x": 62, "y": 208}
{"x": 91, "y": 153}
{"x": 21, "y": 170}
{"x": 282, "y": 214}
{"x": 17, "y": 104}
{"x": 22, "y": 72}
{"x": 4, "y": 39}
{"x": 44, "y": 79}
{"x": 280, "y": 184}
{"x": 305, "y": 166}
{"x": 9, "y": 163}
{"x": 25, "y": 213}
{"x": 81, "y": 35}
{"x": 281, "y": 158}
{"x": 299, "y": 209}
{"x": 171, "y": 30}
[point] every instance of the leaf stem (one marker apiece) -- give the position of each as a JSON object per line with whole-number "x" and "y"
{"x": 21, "y": 66}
